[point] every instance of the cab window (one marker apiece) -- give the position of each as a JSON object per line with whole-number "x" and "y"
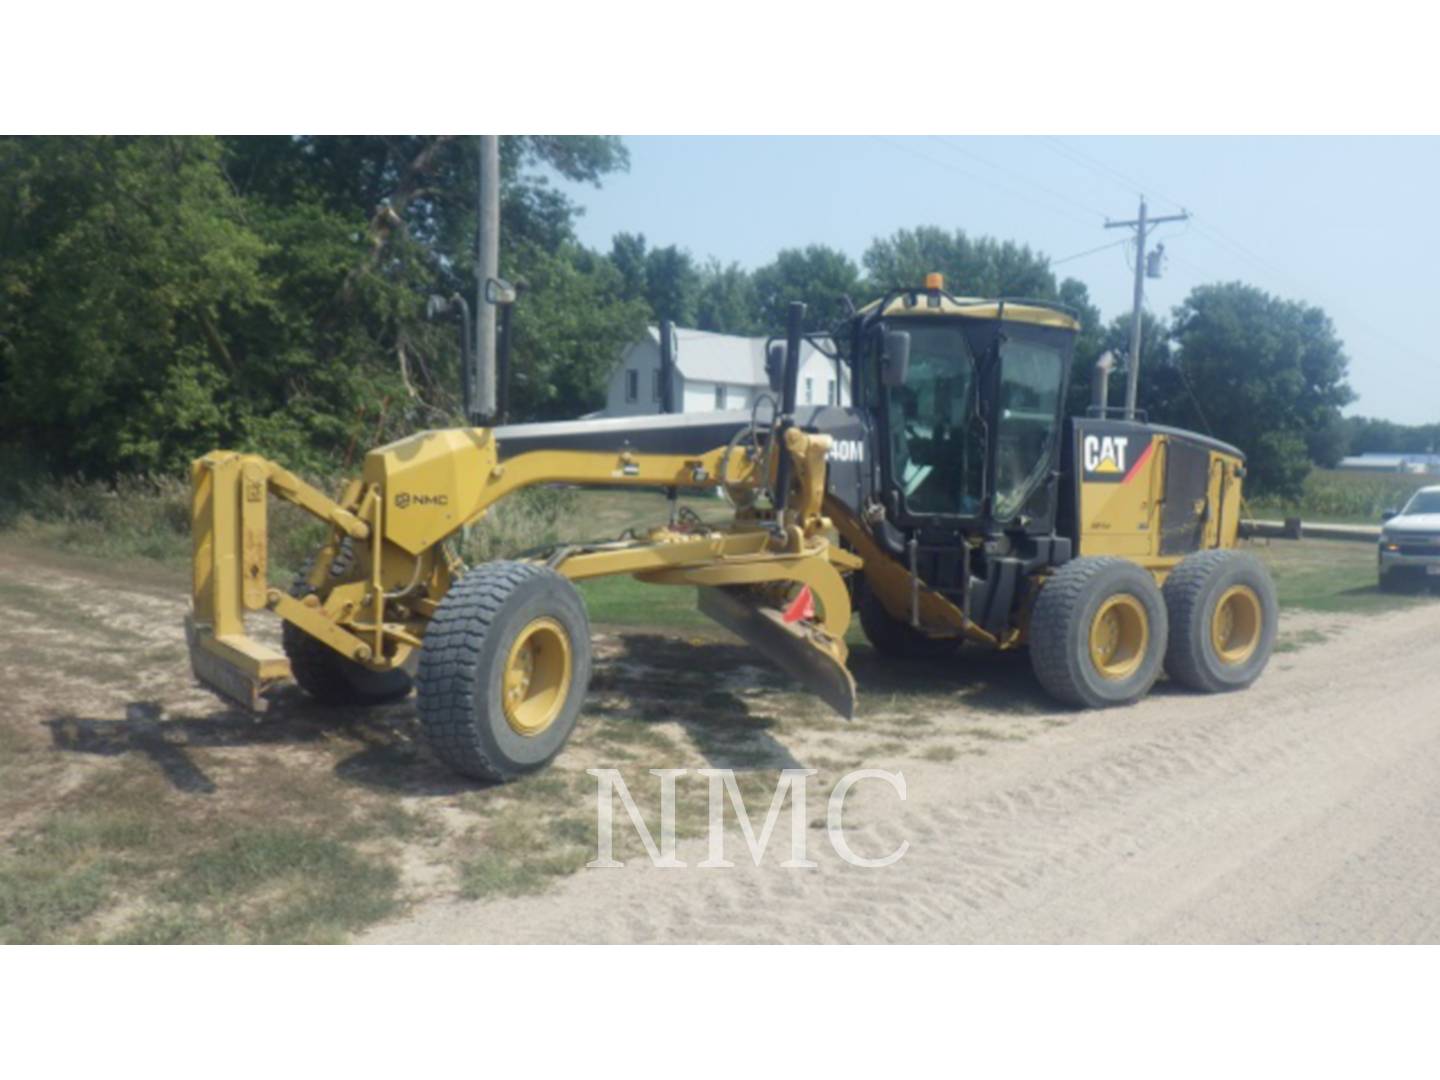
{"x": 1031, "y": 375}
{"x": 937, "y": 447}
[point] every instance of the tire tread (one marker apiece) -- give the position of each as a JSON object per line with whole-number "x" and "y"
{"x": 449, "y": 676}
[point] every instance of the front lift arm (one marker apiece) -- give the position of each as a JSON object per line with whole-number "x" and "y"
{"x": 416, "y": 493}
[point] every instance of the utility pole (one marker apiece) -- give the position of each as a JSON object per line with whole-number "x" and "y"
{"x": 1141, "y": 225}
{"x": 487, "y": 266}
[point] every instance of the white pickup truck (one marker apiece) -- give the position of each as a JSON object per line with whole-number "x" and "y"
{"x": 1410, "y": 543}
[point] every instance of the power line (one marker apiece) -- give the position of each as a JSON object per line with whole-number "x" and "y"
{"x": 1060, "y": 195}
{"x": 1217, "y": 236}
{"x": 1100, "y": 168}
{"x": 1091, "y": 251}
{"x": 952, "y": 167}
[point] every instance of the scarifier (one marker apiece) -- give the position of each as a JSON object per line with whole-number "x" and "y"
{"x": 951, "y": 502}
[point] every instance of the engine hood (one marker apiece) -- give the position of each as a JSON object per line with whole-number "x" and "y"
{"x": 1413, "y": 523}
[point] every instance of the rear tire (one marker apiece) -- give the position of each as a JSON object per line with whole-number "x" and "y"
{"x": 330, "y": 678}
{"x": 896, "y": 638}
{"x": 504, "y": 670}
{"x": 1223, "y": 619}
{"x": 1098, "y": 633}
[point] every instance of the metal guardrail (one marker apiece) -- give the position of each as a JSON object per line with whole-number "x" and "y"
{"x": 1295, "y": 529}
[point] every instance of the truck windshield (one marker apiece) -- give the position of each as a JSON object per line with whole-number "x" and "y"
{"x": 937, "y": 444}
{"x": 1424, "y": 502}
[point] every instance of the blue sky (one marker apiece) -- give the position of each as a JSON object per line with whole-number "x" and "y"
{"x": 1343, "y": 223}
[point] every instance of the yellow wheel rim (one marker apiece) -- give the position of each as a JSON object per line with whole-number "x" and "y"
{"x": 1119, "y": 637}
{"x": 1236, "y": 625}
{"x": 537, "y": 677}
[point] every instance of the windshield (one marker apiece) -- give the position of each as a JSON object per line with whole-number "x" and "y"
{"x": 1424, "y": 502}
{"x": 937, "y": 444}
{"x": 1031, "y": 375}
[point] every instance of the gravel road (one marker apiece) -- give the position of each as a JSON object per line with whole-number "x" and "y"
{"x": 1306, "y": 810}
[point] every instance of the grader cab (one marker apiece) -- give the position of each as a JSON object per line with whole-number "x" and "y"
{"x": 950, "y": 502}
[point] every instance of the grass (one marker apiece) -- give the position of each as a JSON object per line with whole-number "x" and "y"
{"x": 623, "y": 601}
{"x": 328, "y": 887}
{"x": 523, "y": 856}
{"x": 139, "y": 518}
{"x": 123, "y": 844}
{"x": 1328, "y": 576}
{"x": 149, "y": 518}
{"x": 1292, "y": 643}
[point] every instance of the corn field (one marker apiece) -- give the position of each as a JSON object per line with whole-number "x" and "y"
{"x": 1345, "y": 497}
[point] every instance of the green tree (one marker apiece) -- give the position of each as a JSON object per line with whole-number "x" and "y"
{"x": 159, "y": 296}
{"x": 726, "y": 302}
{"x": 571, "y": 324}
{"x": 672, "y": 285}
{"x": 627, "y": 253}
{"x": 817, "y": 275}
{"x": 1365, "y": 434}
{"x": 666, "y": 279}
{"x": 1262, "y": 373}
{"x": 1088, "y": 346}
{"x": 972, "y": 267}
{"x": 123, "y": 265}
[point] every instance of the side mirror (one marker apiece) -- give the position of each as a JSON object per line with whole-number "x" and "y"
{"x": 499, "y": 291}
{"x": 775, "y": 365}
{"x": 1388, "y": 514}
{"x": 895, "y": 358}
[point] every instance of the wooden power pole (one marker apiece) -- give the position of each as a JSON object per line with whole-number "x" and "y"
{"x": 1141, "y": 225}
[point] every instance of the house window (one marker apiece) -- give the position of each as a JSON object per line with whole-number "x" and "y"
{"x": 719, "y": 396}
{"x": 632, "y": 384}
{"x": 809, "y": 391}
{"x": 655, "y": 386}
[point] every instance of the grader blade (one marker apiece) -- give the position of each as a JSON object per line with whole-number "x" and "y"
{"x": 236, "y": 668}
{"x": 791, "y": 647}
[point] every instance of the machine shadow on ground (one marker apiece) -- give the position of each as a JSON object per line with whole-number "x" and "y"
{"x": 732, "y": 708}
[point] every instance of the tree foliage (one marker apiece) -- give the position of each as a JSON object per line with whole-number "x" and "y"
{"x": 165, "y": 295}
{"x": 161, "y": 296}
{"x": 980, "y": 266}
{"x": 1369, "y": 435}
{"x": 1263, "y": 373}
{"x": 818, "y": 275}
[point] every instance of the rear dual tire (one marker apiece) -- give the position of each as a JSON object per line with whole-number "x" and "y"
{"x": 1102, "y": 631}
{"x": 1223, "y": 619}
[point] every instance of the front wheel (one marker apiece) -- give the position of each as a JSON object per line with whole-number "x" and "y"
{"x": 333, "y": 679}
{"x": 504, "y": 670}
{"x": 896, "y": 638}
{"x": 1223, "y": 619}
{"x": 1098, "y": 633}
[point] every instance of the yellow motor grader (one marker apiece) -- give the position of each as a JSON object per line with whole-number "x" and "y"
{"x": 950, "y": 501}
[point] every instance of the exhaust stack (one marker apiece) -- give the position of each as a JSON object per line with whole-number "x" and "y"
{"x": 1100, "y": 392}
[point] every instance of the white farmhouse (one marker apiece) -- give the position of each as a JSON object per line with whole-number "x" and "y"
{"x": 712, "y": 371}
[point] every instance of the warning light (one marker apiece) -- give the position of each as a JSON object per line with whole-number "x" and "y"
{"x": 934, "y": 282}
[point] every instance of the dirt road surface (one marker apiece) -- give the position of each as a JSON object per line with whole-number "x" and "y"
{"x": 1306, "y": 810}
